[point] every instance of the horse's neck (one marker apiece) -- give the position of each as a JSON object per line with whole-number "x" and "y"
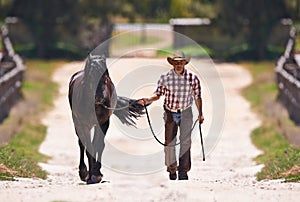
{"x": 92, "y": 85}
{"x": 102, "y": 86}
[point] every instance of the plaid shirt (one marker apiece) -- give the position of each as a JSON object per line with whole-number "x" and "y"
{"x": 179, "y": 89}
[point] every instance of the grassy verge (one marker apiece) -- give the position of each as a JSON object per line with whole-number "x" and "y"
{"x": 20, "y": 156}
{"x": 126, "y": 40}
{"x": 189, "y": 51}
{"x": 281, "y": 159}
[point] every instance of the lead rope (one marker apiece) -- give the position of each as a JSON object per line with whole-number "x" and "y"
{"x": 150, "y": 125}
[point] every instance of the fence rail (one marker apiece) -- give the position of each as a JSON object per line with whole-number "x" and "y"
{"x": 288, "y": 75}
{"x": 11, "y": 76}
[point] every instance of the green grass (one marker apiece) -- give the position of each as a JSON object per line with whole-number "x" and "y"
{"x": 189, "y": 51}
{"x": 1, "y": 45}
{"x": 281, "y": 160}
{"x": 297, "y": 44}
{"x": 20, "y": 156}
{"x": 126, "y": 40}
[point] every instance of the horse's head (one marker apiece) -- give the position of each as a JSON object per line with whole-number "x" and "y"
{"x": 96, "y": 77}
{"x": 95, "y": 67}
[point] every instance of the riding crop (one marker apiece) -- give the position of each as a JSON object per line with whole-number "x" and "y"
{"x": 201, "y": 141}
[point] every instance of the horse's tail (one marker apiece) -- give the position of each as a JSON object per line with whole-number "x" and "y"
{"x": 128, "y": 110}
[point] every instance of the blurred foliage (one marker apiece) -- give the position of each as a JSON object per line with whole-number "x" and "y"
{"x": 71, "y": 28}
{"x": 256, "y": 18}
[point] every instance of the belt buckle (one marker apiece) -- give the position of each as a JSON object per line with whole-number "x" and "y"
{"x": 173, "y": 110}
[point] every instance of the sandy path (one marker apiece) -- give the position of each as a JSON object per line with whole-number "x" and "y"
{"x": 228, "y": 174}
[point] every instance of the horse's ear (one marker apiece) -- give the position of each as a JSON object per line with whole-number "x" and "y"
{"x": 88, "y": 52}
{"x": 89, "y": 56}
{"x": 104, "y": 57}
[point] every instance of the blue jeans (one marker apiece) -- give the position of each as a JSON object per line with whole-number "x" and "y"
{"x": 176, "y": 117}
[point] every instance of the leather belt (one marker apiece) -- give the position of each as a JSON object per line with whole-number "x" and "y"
{"x": 175, "y": 110}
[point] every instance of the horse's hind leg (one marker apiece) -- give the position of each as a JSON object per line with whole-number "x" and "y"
{"x": 98, "y": 143}
{"x": 83, "y": 145}
{"x": 93, "y": 176}
{"x": 83, "y": 172}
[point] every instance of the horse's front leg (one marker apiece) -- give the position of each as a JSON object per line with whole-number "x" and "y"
{"x": 98, "y": 144}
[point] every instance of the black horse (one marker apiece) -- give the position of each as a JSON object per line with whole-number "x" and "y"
{"x": 93, "y": 100}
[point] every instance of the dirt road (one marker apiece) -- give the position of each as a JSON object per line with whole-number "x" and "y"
{"x": 228, "y": 174}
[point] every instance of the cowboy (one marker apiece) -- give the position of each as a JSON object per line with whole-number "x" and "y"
{"x": 179, "y": 86}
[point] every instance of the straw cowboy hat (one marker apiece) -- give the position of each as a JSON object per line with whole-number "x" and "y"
{"x": 178, "y": 55}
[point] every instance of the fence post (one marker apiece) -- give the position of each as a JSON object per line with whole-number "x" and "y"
{"x": 288, "y": 75}
{"x": 11, "y": 76}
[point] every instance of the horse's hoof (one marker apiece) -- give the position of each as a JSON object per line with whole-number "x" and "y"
{"x": 94, "y": 179}
{"x": 84, "y": 175}
{"x": 85, "y": 179}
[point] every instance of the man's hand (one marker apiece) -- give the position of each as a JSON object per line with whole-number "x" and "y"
{"x": 144, "y": 101}
{"x": 148, "y": 101}
{"x": 201, "y": 119}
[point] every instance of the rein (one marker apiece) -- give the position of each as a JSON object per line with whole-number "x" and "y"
{"x": 101, "y": 102}
{"x": 149, "y": 122}
{"x": 150, "y": 125}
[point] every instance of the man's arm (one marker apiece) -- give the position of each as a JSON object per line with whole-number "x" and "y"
{"x": 199, "y": 106}
{"x": 145, "y": 101}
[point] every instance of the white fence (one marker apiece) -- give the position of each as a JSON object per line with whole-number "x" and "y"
{"x": 288, "y": 79}
{"x": 11, "y": 75}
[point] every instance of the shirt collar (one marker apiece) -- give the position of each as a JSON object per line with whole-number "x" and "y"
{"x": 184, "y": 72}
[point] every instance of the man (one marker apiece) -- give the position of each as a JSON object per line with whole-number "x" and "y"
{"x": 179, "y": 86}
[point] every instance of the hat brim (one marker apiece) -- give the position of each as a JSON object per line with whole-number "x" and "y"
{"x": 172, "y": 60}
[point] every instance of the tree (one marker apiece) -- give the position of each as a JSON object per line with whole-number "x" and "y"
{"x": 4, "y": 7}
{"x": 257, "y": 17}
{"x": 101, "y": 12}
{"x": 179, "y": 8}
{"x": 293, "y": 7}
{"x": 42, "y": 19}
{"x": 149, "y": 10}
{"x": 84, "y": 24}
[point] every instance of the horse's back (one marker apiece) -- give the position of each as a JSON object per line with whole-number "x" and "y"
{"x": 76, "y": 76}
{"x": 75, "y": 79}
